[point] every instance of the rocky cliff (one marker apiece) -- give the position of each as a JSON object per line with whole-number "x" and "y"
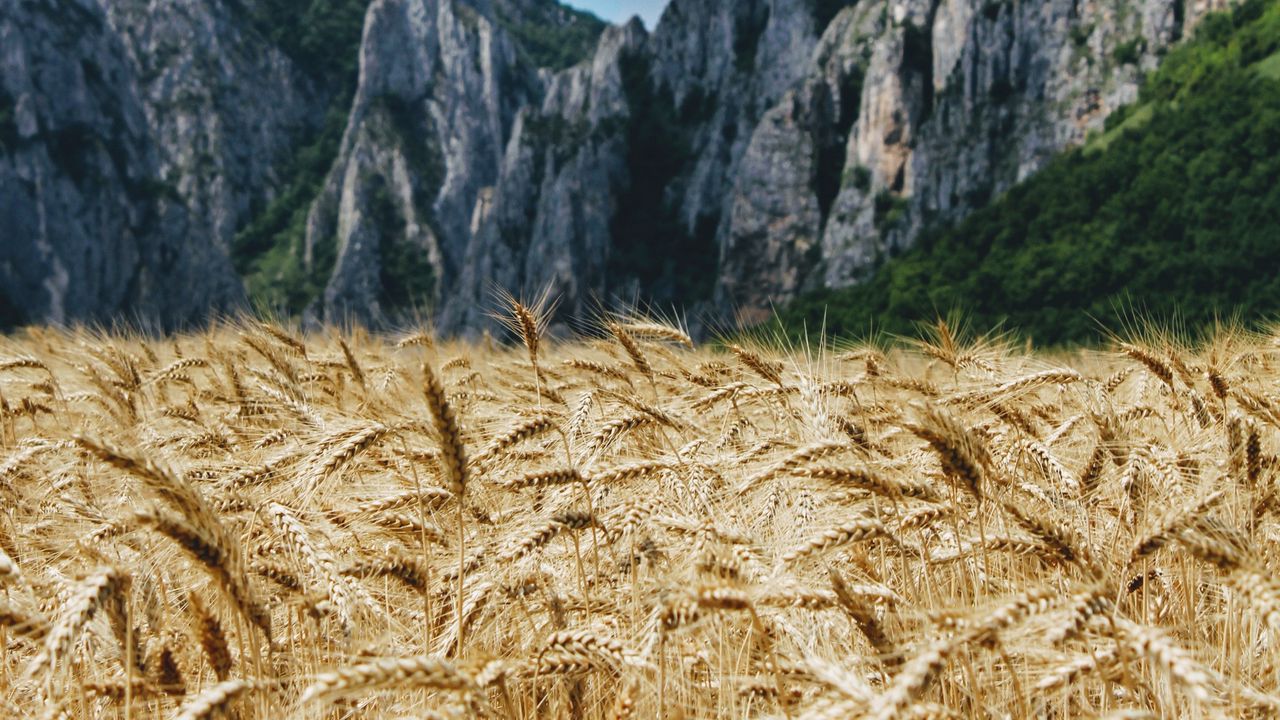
{"x": 964, "y": 98}
{"x": 741, "y": 153}
{"x": 607, "y": 179}
{"x": 134, "y": 137}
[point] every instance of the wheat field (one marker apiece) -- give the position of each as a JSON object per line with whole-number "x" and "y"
{"x": 251, "y": 523}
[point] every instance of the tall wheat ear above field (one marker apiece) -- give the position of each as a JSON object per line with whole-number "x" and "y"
{"x": 254, "y": 523}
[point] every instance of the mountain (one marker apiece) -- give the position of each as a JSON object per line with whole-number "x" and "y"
{"x": 107, "y": 140}
{"x": 164, "y": 159}
{"x": 1171, "y": 213}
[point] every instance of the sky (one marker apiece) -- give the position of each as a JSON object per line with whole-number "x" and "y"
{"x": 619, "y": 11}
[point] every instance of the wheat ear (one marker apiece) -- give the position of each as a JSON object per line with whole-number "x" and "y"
{"x": 414, "y": 672}
{"x": 92, "y": 594}
{"x": 214, "y": 699}
{"x": 453, "y": 458}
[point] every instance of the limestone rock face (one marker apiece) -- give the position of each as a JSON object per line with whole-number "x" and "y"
{"x": 440, "y": 85}
{"x": 742, "y": 152}
{"x": 791, "y": 172}
{"x": 93, "y": 227}
{"x": 549, "y": 178}
{"x": 546, "y": 221}
{"x": 222, "y": 105}
{"x": 801, "y": 156}
{"x": 964, "y": 98}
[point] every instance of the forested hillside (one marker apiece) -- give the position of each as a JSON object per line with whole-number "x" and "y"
{"x": 1172, "y": 213}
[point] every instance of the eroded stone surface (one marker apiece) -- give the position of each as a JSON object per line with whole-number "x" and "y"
{"x": 771, "y": 155}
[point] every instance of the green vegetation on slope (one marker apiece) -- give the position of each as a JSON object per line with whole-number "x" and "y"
{"x": 405, "y": 274}
{"x": 561, "y": 38}
{"x": 1176, "y": 211}
{"x": 267, "y": 251}
{"x": 322, "y": 37}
